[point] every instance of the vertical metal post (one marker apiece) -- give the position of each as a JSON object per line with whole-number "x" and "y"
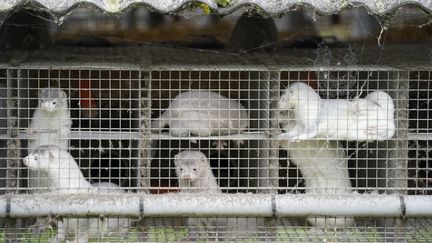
{"x": 397, "y": 163}
{"x": 274, "y": 80}
{"x": 269, "y": 156}
{"x": 397, "y": 166}
{"x": 264, "y": 146}
{"x": 144, "y": 143}
{"x": 13, "y": 145}
{"x": 12, "y": 132}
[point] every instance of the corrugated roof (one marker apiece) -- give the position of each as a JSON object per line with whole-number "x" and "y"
{"x": 271, "y": 7}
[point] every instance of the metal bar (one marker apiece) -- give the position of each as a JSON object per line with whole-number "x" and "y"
{"x": 240, "y": 136}
{"x": 13, "y": 145}
{"x": 257, "y": 205}
{"x": 13, "y": 142}
{"x": 262, "y": 82}
{"x": 274, "y": 165}
{"x": 397, "y": 165}
{"x": 144, "y": 135}
{"x": 137, "y": 135}
{"x": 419, "y": 136}
{"x": 89, "y": 135}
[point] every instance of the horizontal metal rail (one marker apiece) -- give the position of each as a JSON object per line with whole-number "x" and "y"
{"x": 124, "y": 135}
{"x": 200, "y": 205}
{"x": 239, "y": 136}
{"x": 137, "y": 135}
{"x": 419, "y": 136}
{"x": 121, "y": 135}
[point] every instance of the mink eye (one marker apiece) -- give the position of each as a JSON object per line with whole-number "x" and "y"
{"x": 54, "y": 102}
{"x": 181, "y": 169}
{"x": 194, "y": 169}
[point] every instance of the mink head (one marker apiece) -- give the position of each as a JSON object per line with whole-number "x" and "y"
{"x": 381, "y": 98}
{"x": 51, "y": 99}
{"x": 47, "y": 157}
{"x": 294, "y": 93}
{"x": 191, "y": 165}
{"x": 40, "y": 160}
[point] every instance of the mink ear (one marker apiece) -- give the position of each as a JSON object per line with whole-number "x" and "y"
{"x": 176, "y": 159}
{"x": 41, "y": 93}
{"x": 204, "y": 158}
{"x": 63, "y": 94}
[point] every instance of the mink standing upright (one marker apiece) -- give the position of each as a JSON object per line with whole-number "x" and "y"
{"x": 50, "y": 124}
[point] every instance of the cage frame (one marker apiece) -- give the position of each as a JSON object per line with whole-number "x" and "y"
{"x": 272, "y": 205}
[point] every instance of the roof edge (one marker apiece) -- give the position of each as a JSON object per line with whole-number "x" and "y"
{"x": 267, "y": 7}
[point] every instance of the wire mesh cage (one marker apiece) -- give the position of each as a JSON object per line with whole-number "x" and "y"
{"x": 168, "y": 152}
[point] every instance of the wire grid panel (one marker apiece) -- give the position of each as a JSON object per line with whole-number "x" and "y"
{"x": 420, "y": 129}
{"x": 348, "y": 152}
{"x": 100, "y": 119}
{"x": 223, "y": 115}
{"x": 133, "y": 130}
{"x": 241, "y": 229}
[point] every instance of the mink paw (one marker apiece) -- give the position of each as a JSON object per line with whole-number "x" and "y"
{"x": 239, "y": 143}
{"x": 220, "y": 144}
{"x": 288, "y": 137}
{"x": 63, "y": 132}
{"x": 378, "y": 133}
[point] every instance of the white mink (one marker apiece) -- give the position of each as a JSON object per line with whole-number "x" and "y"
{"x": 365, "y": 119}
{"x": 194, "y": 173}
{"x": 195, "y": 176}
{"x": 324, "y": 167}
{"x": 203, "y": 113}
{"x": 66, "y": 177}
{"x": 51, "y": 120}
{"x": 50, "y": 123}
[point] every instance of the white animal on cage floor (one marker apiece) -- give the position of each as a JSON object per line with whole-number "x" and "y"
{"x": 195, "y": 176}
{"x": 368, "y": 119}
{"x": 324, "y": 167}
{"x": 50, "y": 124}
{"x": 66, "y": 177}
{"x": 203, "y": 113}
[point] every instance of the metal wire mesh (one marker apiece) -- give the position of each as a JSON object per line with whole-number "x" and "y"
{"x": 285, "y": 230}
{"x": 130, "y": 127}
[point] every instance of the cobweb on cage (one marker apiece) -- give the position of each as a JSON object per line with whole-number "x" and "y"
{"x": 341, "y": 84}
